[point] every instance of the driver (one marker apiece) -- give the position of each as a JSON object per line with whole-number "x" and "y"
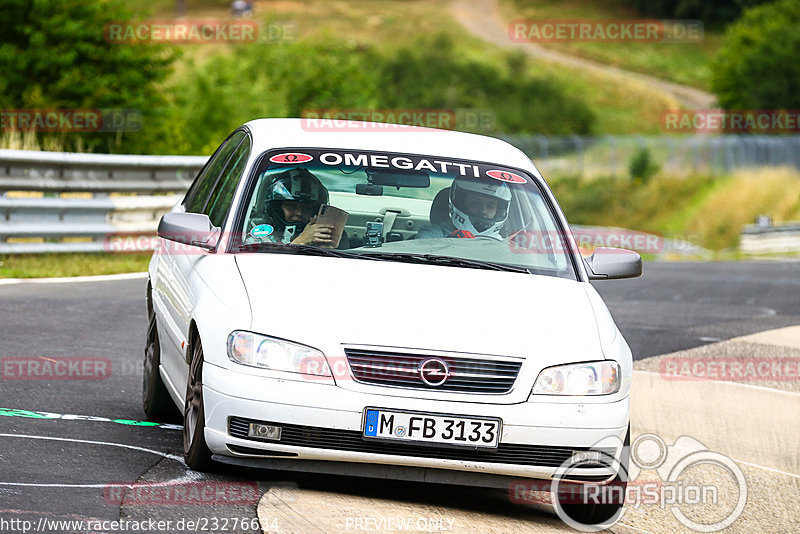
{"x": 476, "y": 208}
{"x": 292, "y": 201}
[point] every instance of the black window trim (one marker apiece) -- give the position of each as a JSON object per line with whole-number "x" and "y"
{"x": 231, "y": 209}
{"x": 193, "y": 188}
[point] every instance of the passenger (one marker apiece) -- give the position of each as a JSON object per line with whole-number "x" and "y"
{"x": 292, "y": 201}
{"x": 476, "y": 208}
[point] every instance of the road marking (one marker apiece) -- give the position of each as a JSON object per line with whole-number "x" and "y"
{"x": 73, "y": 279}
{"x": 724, "y": 389}
{"x": 90, "y": 442}
{"x": 30, "y": 414}
{"x": 32, "y": 484}
{"x": 771, "y": 469}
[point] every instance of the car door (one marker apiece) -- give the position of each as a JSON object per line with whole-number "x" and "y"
{"x": 170, "y": 292}
{"x": 186, "y": 283}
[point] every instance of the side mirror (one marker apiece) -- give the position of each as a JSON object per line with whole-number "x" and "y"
{"x": 193, "y": 229}
{"x": 608, "y": 263}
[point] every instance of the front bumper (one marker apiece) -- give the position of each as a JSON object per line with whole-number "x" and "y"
{"x": 323, "y": 424}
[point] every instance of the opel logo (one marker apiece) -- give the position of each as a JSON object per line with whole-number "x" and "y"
{"x": 434, "y": 371}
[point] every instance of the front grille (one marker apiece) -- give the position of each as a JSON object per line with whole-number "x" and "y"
{"x": 467, "y": 374}
{"x": 351, "y": 440}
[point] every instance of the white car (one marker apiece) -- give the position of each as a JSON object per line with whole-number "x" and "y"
{"x": 451, "y": 335}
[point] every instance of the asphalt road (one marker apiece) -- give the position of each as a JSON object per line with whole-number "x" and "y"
{"x": 676, "y": 306}
{"x": 55, "y": 468}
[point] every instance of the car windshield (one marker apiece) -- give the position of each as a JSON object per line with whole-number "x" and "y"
{"x": 402, "y": 207}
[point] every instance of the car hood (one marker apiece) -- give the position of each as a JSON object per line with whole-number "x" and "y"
{"x": 329, "y": 303}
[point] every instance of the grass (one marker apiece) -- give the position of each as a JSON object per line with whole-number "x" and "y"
{"x": 737, "y": 201}
{"x": 707, "y": 211}
{"x": 70, "y": 264}
{"x": 389, "y": 25}
{"x": 27, "y": 140}
{"x": 686, "y": 63}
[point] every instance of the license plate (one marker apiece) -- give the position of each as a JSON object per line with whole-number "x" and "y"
{"x": 432, "y": 428}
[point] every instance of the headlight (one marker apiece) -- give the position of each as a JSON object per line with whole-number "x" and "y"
{"x": 591, "y": 378}
{"x": 276, "y": 354}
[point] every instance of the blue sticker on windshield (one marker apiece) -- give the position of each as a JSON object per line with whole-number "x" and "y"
{"x": 262, "y": 230}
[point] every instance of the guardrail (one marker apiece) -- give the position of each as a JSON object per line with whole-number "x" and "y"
{"x": 678, "y": 155}
{"x": 27, "y": 170}
{"x": 767, "y": 239}
{"x": 48, "y": 224}
{"x": 55, "y": 224}
{"x": 35, "y": 225}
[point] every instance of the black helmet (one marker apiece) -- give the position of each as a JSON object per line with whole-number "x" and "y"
{"x": 294, "y": 184}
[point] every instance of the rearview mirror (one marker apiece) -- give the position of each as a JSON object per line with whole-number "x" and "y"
{"x": 394, "y": 178}
{"x": 369, "y": 190}
{"x": 608, "y": 263}
{"x": 193, "y": 229}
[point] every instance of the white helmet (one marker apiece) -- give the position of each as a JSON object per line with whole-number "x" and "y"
{"x": 476, "y": 223}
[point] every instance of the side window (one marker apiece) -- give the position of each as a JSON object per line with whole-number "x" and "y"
{"x": 197, "y": 198}
{"x": 222, "y": 196}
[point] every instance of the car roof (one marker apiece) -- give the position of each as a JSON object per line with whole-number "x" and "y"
{"x": 317, "y": 133}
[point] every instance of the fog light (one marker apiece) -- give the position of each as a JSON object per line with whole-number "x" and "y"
{"x": 260, "y": 431}
{"x": 585, "y": 457}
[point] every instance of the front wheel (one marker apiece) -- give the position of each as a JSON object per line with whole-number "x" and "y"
{"x": 609, "y": 499}
{"x": 156, "y": 402}
{"x": 196, "y": 453}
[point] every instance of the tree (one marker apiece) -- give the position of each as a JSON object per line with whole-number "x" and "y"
{"x": 431, "y": 73}
{"x": 713, "y": 13}
{"x": 641, "y": 166}
{"x": 54, "y": 54}
{"x": 757, "y": 66}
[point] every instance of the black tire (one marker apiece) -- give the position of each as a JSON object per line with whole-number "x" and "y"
{"x": 196, "y": 453}
{"x": 156, "y": 402}
{"x": 600, "y": 513}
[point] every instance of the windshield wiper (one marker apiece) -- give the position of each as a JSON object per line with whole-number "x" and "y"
{"x": 309, "y": 250}
{"x": 446, "y": 260}
{"x": 403, "y": 257}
